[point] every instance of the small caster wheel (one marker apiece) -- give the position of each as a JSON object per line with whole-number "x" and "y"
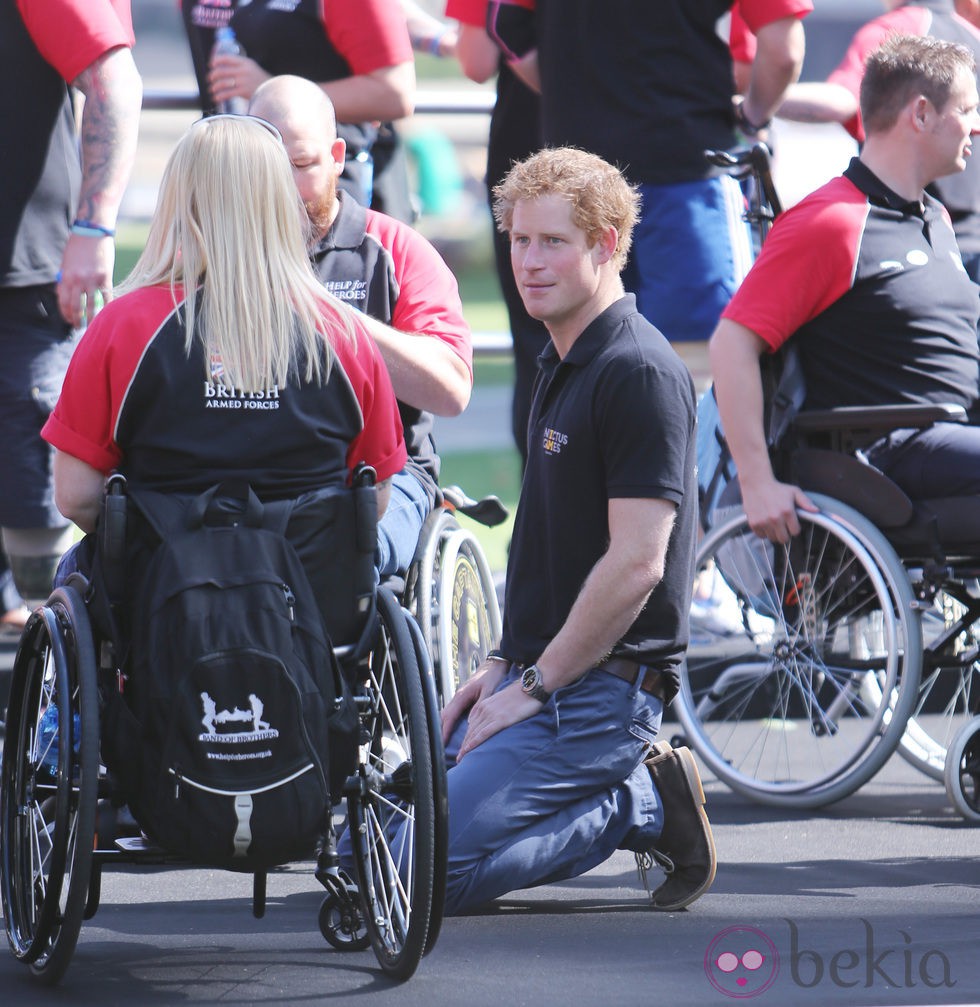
{"x": 962, "y": 771}
{"x": 679, "y": 741}
{"x": 342, "y": 924}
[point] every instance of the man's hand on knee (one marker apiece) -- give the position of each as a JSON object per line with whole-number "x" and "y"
{"x": 483, "y": 683}
{"x": 492, "y": 714}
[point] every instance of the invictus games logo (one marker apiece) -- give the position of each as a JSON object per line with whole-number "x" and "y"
{"x": 554, "y": 441}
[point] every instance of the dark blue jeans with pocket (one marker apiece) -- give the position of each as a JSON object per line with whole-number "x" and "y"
{"x": 555, "y": 795}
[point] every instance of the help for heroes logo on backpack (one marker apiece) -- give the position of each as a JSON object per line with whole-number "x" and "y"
{"x": 213, "y": 717}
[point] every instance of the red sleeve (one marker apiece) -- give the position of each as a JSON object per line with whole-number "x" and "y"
{"x": 850, "y": 72}
{"x": 471, "y": 12}
{"x": 806, "y": 264}
{"x": 428, "y": 295}
{"x": 381, "y": 443}
{"x": 369, "y": 34}
{"x": 83, "y": 423}
{"x": 741, "y": 41}
{"x": 759, "y": 13}
{"x": 72, "y": 34}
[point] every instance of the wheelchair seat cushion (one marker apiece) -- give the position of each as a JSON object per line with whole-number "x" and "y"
{"x": 952, "y": 522}
{"x": 853, "y": 482}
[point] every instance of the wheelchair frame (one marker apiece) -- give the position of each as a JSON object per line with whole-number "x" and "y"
{"x": 450, "y": 576}
{"x": 836, "y": 648}
{"x": 51, "y": 782}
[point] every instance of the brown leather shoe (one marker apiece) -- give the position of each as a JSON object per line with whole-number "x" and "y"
{"x": 685, "y": 849}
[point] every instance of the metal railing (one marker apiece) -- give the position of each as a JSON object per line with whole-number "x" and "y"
{"x": 426, "y": 102}
{"x": 485, "y": 344}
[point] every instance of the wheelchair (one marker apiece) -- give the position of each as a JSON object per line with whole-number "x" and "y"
{"x": 53, "y": 781}
{"x": 814, "y": 661}
{"x": 450, "y": 591}
{"x": 859, "y": 637}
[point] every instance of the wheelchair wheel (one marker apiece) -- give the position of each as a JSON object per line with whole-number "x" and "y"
{"x": 799, "y": 688}
{"x": 342, "y": 925}
{"x": 49, "y": 786}
{"x": 950, "y": 688}
{"x": 455, "y": 601}
{"x": 440, "y": 788}
{"x": 962, "y": 771}
{"x": 393, "y": 817}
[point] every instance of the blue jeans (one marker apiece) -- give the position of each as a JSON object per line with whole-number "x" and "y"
{"x": 690, "y": 251}
{"x": 555, "y": 795}
{"x": 401, "y": 525}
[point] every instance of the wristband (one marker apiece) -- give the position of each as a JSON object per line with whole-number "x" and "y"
{"x": 745, "y": 123}
{"x": 496, "y": 655}
{"x": 89, "y": 229}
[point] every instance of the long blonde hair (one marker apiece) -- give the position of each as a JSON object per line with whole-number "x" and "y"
{"x": 229, "y": 228}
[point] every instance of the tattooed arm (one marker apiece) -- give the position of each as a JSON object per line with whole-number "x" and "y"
{"x": 110, "y": 120}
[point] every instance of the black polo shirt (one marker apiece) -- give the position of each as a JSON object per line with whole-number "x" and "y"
{"x": 873, "y": 291}
{"x": 614, "y": 419}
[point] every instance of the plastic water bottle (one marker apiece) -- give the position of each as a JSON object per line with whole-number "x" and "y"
{"x": 225, "y": 44}
{"x": 48, "y": 737}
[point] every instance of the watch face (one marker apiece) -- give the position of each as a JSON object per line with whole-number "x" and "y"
{"x": 530, "y": 678}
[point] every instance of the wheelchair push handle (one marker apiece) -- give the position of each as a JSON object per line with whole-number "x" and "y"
{"x": 489, "y": 511}
{"x": 753, "y": 162}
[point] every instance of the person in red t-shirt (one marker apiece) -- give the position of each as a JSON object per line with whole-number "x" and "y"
{"x": 359, "y": 53}
{"x": 57, "y": 222}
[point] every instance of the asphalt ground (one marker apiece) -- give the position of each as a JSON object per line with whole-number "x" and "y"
{"x": 875, "y": 900}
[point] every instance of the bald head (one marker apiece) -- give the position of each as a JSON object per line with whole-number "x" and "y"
{"x": 304, "y": 116}
{"x": 287, "y": 99}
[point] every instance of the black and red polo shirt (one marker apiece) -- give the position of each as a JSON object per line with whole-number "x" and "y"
{"x": 873, "y": 292}
{"x": 134, "y": 400}
{"x": 387, "y": 270}
{"x": 322, "y": 40}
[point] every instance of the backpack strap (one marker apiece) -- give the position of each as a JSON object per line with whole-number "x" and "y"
{"x": 228, "y": 503}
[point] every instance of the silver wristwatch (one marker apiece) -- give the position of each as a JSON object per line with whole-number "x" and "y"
{"x": 533, "y": 685}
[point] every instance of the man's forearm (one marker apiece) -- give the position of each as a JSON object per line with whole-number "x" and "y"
{"x": 818, "y": 101}
{"x": 110, "y": 123}
{"x": 388, "y": 93}
{"x": 425, "y": 372}
{"x": 777, "y": 64}
{"x": 734, "y": 357}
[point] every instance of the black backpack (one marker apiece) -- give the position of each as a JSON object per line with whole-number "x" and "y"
{"x": 238, "y": 727}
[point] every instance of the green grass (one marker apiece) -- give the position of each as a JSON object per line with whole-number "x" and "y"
{"x": 481, "y": 473}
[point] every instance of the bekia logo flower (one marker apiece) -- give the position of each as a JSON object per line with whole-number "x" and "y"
{"x": 741, "y": 962}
